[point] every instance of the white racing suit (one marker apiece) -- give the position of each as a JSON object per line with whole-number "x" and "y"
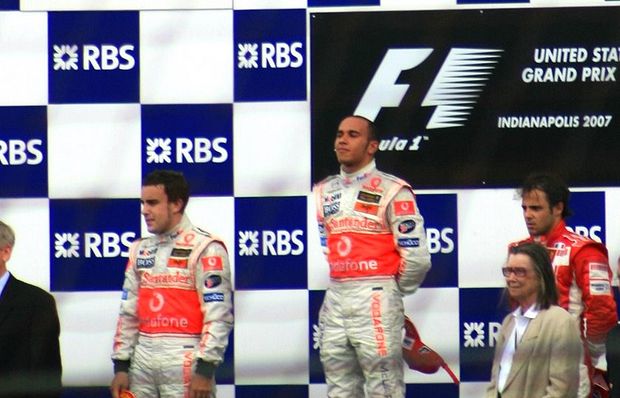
{"x": 176, "y": 311}
{"x": 374, "y": 239}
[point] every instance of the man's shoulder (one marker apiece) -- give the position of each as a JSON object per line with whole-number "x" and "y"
{"x": 27, "y": 290}
{"x": 391, "y": 178}
{"x": 327, "y": 180}
{"x": 558, "y": 313}
{"x": 580, "y": 242}
{"x": 200, "y": 238}
{"x": 520, "y": 242}
{"x": 202, "y": 232}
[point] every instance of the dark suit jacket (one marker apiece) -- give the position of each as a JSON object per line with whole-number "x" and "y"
{"x": 30, "y": 364}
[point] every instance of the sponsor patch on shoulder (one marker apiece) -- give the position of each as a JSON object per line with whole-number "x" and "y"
{"x": 598, "y": 270}
{"x": 212, "y": 263}
{"x": 600, "y": 288}
{"x": 213, "y": 281}
{"x": 406, "y": 226}
{"x": 409, "y": 242}
{"x": 213, "y": 297}
{"x": 404, "y": 208}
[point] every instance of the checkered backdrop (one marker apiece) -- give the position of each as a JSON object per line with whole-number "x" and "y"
{"x": 93, "y": 96}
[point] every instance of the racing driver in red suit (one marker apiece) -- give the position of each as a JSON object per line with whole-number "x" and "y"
{"x": 373, "y": 236}
{"x": 176, "y": 311}
{"x": 581, "y": 265}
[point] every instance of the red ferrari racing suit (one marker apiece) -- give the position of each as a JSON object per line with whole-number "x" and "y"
{"x": 373, "y": 236}
{"x": 583, "y": 279}
{"x": 176, "y": 311}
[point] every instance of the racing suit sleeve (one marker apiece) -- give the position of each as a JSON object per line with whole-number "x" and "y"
{"x": 593, "y": 277}
{"x": 126, "y": 335}
{"x": 407, "y": 225}
{"x": 320, "y": 219}
{"x": 214, "y": 288}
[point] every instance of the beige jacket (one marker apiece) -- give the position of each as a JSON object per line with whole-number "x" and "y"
{"x": 546, "y": 362}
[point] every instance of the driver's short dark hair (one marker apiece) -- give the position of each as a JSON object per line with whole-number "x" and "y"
{"x": 174, "y": 183}
{"x": 552, "y": 185}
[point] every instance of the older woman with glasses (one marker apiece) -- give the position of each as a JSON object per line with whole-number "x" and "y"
{"x": 538, "y": 350}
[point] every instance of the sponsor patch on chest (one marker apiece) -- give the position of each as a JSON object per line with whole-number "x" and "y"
{"x": 182, "y": 253}
{"x": 145, "y": 262}
{"x": 367, "y": 208}
{"x": 369, "y": 197}
{"x": 331, "y": 203}
{"x": 179, "y": 258}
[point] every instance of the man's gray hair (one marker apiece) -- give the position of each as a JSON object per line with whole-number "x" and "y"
{"x": 7, "y": 236}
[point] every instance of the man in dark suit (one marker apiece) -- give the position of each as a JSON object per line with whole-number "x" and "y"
{"x": 30, "y": 364}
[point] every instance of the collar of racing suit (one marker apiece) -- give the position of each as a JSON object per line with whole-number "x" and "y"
{"x": 359, "y": 175}
{"x": 553, "y": 234}
{"x": 171, "y": 235}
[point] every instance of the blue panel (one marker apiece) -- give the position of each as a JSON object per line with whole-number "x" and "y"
{"x": 315, "y": 301}
{"x": 194, "y": 139}
{"x": 9, "y": 5}
{"x": 271, "y": 243}
{"x": 432, "y": 390}
{"x": 88, "y": 248}
{"x": 589, "y": 214}
{"x": 93, "y": 57}
{"x": 23, "y": 151}
{"x": 270, "y": 55}
{"x": 439, "y": 211}
{"x": 481, "y": 315}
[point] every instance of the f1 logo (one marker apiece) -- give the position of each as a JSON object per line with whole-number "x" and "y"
{"x": 470, "y": 67}
{"x": 383, "y": 92}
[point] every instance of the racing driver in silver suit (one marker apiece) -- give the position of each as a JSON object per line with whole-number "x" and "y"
{"x": 176, "y": 311}
{"x": 373, "y": 236}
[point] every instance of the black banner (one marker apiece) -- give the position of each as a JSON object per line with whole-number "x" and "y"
{"x": 473, "y": 98}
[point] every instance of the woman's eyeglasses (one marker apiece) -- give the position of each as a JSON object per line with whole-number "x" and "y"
{"x": 518, "y": 271}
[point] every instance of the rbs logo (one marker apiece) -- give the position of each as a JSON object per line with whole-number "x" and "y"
{"x": 271, "y": 56}
{"x": 440, "y": 241}
{"x": 18, "y": 152}
{"x": 187, "y": 150}
{"x": 480, "y": 334}
{"x": 93, "y": 57}
{"x": 592, "y": 232}
{"x": 98, "y": 245}
{"x": 270, "y": 243}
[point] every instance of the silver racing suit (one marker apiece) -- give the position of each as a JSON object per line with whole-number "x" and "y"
{"x": 373, "y": 236}
{"x": 176, "y": 311}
